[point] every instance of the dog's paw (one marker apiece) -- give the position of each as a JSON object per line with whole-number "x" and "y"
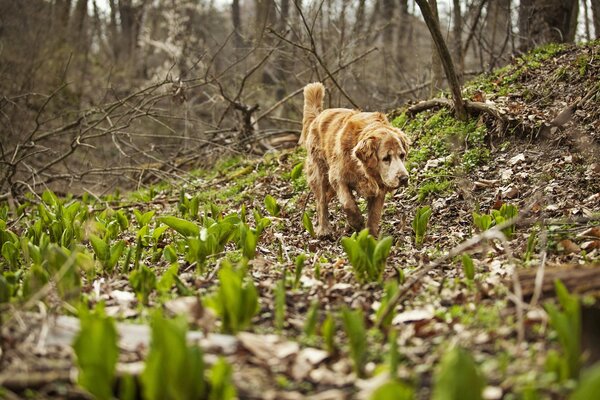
{"x": 324, "y": 233}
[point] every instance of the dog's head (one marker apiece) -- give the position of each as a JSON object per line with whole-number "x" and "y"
{"x": 382, "y": 151}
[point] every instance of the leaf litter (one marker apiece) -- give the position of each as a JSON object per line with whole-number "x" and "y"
{"x": 555, "y": 178}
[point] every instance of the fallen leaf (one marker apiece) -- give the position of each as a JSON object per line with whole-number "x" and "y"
{"x": 517, "y": 159}
{"x": 510, "y": 192}
{"x": 413, "y": 316}
{"x": 568, "y": 247}
{"x": 306, "y": 360}
{"x": 590, "y": 245}
{"x": 591, "y": 232}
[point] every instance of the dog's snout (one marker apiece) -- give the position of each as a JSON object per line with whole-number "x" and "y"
{"x": 403, "y": 180}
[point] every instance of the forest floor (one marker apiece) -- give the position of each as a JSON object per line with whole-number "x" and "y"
{"x": 299, "y": 343}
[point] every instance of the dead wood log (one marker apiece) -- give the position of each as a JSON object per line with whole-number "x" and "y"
{"x": 581, "y": 279}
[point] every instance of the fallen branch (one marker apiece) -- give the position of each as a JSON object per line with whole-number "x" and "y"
{"x": 472, "y": 107}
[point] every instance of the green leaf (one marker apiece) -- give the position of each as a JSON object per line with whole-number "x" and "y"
{"x": 158, "y": 232}
{"x": 271, "y": 205}
{"x": 457, "y": 377}
{"x": 420, "y": 223}
{"x": 143, "y": 282}
{"x": 354, "y": 325}
{"x": 567, "y": 324}
{"x": 185, "y": 228}
{"x": 168, "y": 279}
{"x": 101, "y": 248}
{"x": 116, "y": 251}
{"x": 235, "y": 302}
{"x": 221, "y": 386}
{"x": 143, "y": 219}
{"x": 170, "y": 254}
{"x": 50, "y": 198}
{"x": 310, "y": 325}
{"x": 468, "y": 266}
{"x": 34, "y": 280}
{"x": 97, "y": 353}
{"x": 367, "y": 255}
{"x": 171, "y": 360}
{"x": 328, "y": 331}
{"x": 299, "y": 266}
{"x": 280, "y": 304}
{"x": 308, "y": 225}
{"x": 248, "y": 242}
{"x": 382, "y": 250}
{"x": 11, "y": 254}
{"x": 122, "y": 220}
{"x": 393, "y": 390}
{"x": 4, "y": 290}
{"x": 589, "y": 386}
{"x": 297, "y": 171}
{"x": 391, "y": 287}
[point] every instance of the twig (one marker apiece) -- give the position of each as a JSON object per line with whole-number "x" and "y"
{"x": 539, "y": 275}
{"x": 492, "y": 233}
{"x": 298, "y": 91}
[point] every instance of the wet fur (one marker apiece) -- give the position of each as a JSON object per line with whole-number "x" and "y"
{"x": 346, "y": 149}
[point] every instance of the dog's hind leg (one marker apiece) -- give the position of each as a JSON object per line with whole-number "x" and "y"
{"x": 317, "y": 180}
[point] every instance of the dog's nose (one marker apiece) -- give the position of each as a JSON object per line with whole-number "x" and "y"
{"x": 403, "y": 180}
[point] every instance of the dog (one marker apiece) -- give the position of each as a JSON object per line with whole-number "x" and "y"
{"x": 350, "y": 150}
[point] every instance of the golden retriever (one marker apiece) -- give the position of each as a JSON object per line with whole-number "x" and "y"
{"x": 348, "y": 151}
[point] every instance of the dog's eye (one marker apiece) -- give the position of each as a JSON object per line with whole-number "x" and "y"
{"x": 387, "y": 158}
{"x": 403, "y": 156}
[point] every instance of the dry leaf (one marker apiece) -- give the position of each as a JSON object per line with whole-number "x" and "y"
{"x": 568, "y": 247}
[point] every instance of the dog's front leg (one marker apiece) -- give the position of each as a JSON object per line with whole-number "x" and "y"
{"x": 323, "y": 227}
{"x": 375, "y": 208}
{"x": 355, "y": 219}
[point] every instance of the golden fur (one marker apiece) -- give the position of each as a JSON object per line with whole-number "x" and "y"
{"x": 349, "y": 150}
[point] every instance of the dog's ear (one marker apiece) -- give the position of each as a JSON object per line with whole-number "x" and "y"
{"x": 366, "y": 149}
{"x": 403, "y": 139}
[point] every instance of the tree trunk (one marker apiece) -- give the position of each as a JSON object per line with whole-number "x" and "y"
{"x": 457, "y": 33}
{"x": 436, "y": 65}
{"x": 282, "y": 64}
{"x": 444, "y": 53}
{"x": 266, "y": 16}
{"x": 498, "y": 30}
{"x": 586, "y": 18}
{"x": 387, "y": 18}
{"x": 596, "y": 17}
{"x": 360, "y": 18}
{"x": 78, "y": 23}
{"x": 113, "y": 30}
{"x": 402, "y": 34}
{"x": 547, "y": 21}
{"x": 236, "y": 19}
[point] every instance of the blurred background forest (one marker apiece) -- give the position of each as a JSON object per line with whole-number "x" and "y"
{"x": 104, "y": 94}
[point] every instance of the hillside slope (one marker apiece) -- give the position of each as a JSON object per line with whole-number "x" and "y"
{"x": 297, "y": 344}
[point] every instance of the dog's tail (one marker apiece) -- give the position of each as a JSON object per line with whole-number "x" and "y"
{"x": 313, "y": 105}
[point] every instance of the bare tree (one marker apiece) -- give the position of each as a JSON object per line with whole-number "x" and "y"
{"x": 445, "y": 58}
{"x": 457, "y": 37}
{"x": 436, "y": 63}
{"x": 546, "y": 21}
{"x": 238, "y": 40}
{"x": 596, "y": 17}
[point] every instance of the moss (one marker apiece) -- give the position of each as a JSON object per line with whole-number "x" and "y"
{"x": 505, "y": 80}
{"x": 475, "y": 157}
{"x": 433, "y": 188}
{"x": 582, "y": 64}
